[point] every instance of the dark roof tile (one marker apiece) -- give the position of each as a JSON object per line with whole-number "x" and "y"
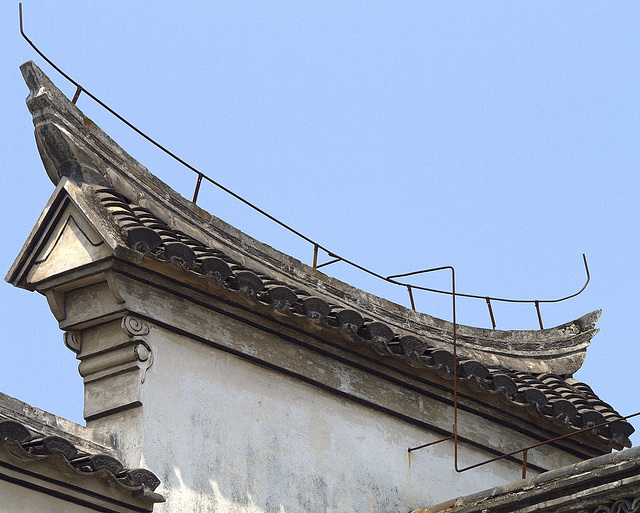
{"x": 37, "y": 446}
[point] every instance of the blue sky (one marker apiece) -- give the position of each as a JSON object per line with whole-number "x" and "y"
{"x": 498, "y": 137}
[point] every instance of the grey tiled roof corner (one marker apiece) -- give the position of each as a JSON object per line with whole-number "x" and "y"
{"x": 16, "y": 438}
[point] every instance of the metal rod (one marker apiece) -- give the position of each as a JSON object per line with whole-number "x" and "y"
{"x": 411, "y": 449}
{"x": 494, "y": 298}
{"x": 493, "y": 320}
{"x": 413, "y": 305}
{"x": 524, "y": 463}
{"x": 537, "y": 303}
{"x": 77, "y": 95}
{"x": 454, "y": 434}
{"x": 197, "y": 190}
{"x": 552, "y": 440}
{"x": 315, "y": 256}
{"x": 328, "y": 263}
{"x": 455, "y": 369}
{"x": 539, "y": 444}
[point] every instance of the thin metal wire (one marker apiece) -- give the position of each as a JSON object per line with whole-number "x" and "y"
{"x": 494, "y": 298}
{"x": 315, "y": 245}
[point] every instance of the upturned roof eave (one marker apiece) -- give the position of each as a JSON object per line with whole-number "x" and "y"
{"x": 101, "y": 161}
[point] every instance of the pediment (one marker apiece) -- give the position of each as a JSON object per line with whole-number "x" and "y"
{"x": 65, "y": 238}
{"x": 72, "y": 243}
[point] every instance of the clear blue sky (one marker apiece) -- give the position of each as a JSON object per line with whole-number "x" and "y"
{"x": 498, "y": 137}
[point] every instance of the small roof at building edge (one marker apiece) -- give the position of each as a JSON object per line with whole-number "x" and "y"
{"x": 583, "y": 487}
{"x": 51, "y": 452}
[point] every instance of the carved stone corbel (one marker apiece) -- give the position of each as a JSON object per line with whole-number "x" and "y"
{"x": 135, "y": 328}
{"x": 73, "y": 341}
{"x": 144, "y": 355}
{"x": 114, "y": 366}
{"x": 113, "y": 287}
{"x": 57, "y": 304}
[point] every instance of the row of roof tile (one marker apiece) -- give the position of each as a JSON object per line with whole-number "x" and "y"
{"x": 38, "y": 446}
{"x": 555, "y": 397}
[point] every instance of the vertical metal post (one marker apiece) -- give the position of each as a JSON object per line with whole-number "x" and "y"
{"x": 77, "y": 95}
{"x": 455, "y": 370}
{"x": 493, "y": 320}
{"x": 524, "y": 463}
{"x": 195, "y": 193}
{"x": 413, "y": 305}
{"x": 315, "y": 256}
{"x": 539, "y": 316}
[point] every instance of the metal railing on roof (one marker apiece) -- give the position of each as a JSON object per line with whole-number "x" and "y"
{"x": 200, "y": 176}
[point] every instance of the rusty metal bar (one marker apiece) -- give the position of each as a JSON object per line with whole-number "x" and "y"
{"x": 493, "y": 320}
{"x": 328, "y": 263}
{"x": 411, "y": 449}
{"x": 413, "y": 304}
{"x": 455, "y": 369}
{"x": 454, "y": 434}
{"x": 315, "y": 256}
{"x": 552, "y": 440}
{"x": 525, "y": 449}
{"x": 77, "y": 95}
{"x": 537, "y": 303}
{"x": 493, "y": 298}
{"x": 197, "y": 189}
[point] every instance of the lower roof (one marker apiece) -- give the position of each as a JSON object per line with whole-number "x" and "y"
{"x": 606, "y": 484}
{"x": 35, "y": 446}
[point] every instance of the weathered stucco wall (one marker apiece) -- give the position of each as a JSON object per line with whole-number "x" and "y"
{"x": 225, "y": 434}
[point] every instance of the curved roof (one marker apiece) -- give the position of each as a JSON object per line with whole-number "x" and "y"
{"x": 148, "y": 220}
{"x": 551, "y": 395}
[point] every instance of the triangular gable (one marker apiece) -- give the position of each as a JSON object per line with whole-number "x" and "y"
{"x": 69, "y": 234}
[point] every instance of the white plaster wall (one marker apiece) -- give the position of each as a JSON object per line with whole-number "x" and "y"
{"x": 18, "y": 499}
{"x": 226, "y": 435}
